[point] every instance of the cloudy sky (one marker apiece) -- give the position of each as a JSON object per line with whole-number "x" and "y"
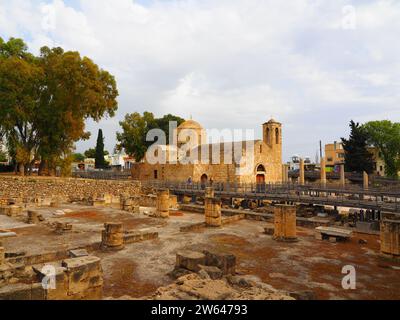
{"x": 312, "y": 64}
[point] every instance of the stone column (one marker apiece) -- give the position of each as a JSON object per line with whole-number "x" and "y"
{"x": 113, "y": 236}
{"x": 285, "y": 173}
{"x": 285, "y": 223}
{"x": 33, "y": 217}
{"x": 163, "y": 204}
{"x": 390, "y": 236}
{"x": 342, "y": 176}
{"x": 301, "y": 172}
{"x": 365, "y": 180}
{"x": 209, "y": 192}
{"x": 212, "y": 212}
{"x": 2, "y": 255}
{"x": 323, "y": 172}
{"x": 128, "y": 204}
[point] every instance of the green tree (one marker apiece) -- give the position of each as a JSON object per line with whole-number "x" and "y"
{"x": 78, "y": 157}
{"x": 385, "y": 135}
{"x": 20, "y": 90}
{"x": 99, "y": 152}
{"x": 45, "y": 101}
{"x": 357, "y": 156}
{"x": 163, "y": 123}
{"x": 3, "y": 156}
{"x": 135, "y": 127}
{"x": 91, "y": 153}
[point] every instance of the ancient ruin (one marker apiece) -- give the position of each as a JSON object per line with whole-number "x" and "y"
{"x": 73, "y": 239}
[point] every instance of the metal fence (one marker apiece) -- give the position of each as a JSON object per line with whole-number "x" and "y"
{"x": 350, "y": 196}
{"x": 103, "y": 175}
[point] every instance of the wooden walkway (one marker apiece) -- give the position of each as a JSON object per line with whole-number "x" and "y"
{"x": 352, "y": 196}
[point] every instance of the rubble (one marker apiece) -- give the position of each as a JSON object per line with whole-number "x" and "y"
{"x": 194, "y": 287}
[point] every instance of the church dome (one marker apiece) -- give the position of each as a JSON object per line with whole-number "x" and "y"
{"x": 190, "y": 124}
{"x": 272, "y": 121}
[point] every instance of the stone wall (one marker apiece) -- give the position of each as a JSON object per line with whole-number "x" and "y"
{"x": 38, "y": 189}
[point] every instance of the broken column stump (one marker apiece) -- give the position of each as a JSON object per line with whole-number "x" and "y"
{"x": 112, "y": 236}
{"x": 128, "y": 204}
{"x": 55, "y": 202}
{"x": 209, "y": 193}
{"x": 162, "y": 204}
{"x": 62, "y": 227}
{"x": 2, "y": 255}
{"x": 390, "y": 236}
{"x": 224, "y": 261}
{"x": 190, "y": 260}
{"x": 33, "y": 217}
{"x": 212, "y": 212}
{"x": 173, "y": 202}
{"x": 285, "y": 223}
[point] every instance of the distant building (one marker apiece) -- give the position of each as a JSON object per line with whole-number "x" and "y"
{"x": 334, "y": 156}
{"x": 120, "y": 161}
{"x": 379, "y": 163}
{"x": 294, "y": 163}
{"x": 87, "y": 165}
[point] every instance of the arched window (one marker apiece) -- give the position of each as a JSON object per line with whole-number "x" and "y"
{"x": 277, "y": 136}
{"x": 268, "y": 133}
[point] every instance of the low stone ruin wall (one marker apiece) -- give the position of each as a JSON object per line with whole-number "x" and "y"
{"x": 44, "y": 191}
{"x": 76, "y": 279}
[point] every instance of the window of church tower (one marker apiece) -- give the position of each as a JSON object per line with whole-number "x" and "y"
{"x": 277, "y": 135}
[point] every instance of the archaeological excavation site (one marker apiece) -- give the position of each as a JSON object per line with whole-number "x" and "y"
{"x": 87, "y": 239}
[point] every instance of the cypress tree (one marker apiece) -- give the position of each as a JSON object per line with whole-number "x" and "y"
{"x": 100, "y": 162}
{"x": 357, "y": 157}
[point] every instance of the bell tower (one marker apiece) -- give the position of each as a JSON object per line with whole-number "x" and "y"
{"x": 272, "y": 134}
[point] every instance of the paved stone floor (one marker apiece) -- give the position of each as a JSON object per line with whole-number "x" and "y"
{"x": 140, "y": 268}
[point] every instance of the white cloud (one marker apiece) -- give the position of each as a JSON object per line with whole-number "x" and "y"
{"x": 231, "y": 63}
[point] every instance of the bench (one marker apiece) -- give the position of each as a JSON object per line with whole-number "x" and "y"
{"x": 332, "y": 234}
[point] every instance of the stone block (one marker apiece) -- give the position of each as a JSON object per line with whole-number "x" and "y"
{"x": 61, "y": 284}
{"x": 19, "y": 291}
{"x": 78, "y": 253}
{"x": 318, "y": 235}
{"x": 98, "y": 203}
{"x": 213, "y": 272}
{"x": 269, "y": 230}
{"x": 62, "y": 227}
{"x": 136, "y": 209}
{"x": 83, "y": 275}
{"x": 190, "y": 260}
{"x": 225, "y": 262}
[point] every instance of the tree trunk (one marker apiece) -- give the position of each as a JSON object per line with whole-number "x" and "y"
{"x": 21, "y": 169}
{"x": 42, "y": 167}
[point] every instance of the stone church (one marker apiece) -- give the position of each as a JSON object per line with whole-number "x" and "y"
{"x": 263, "y": 162}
